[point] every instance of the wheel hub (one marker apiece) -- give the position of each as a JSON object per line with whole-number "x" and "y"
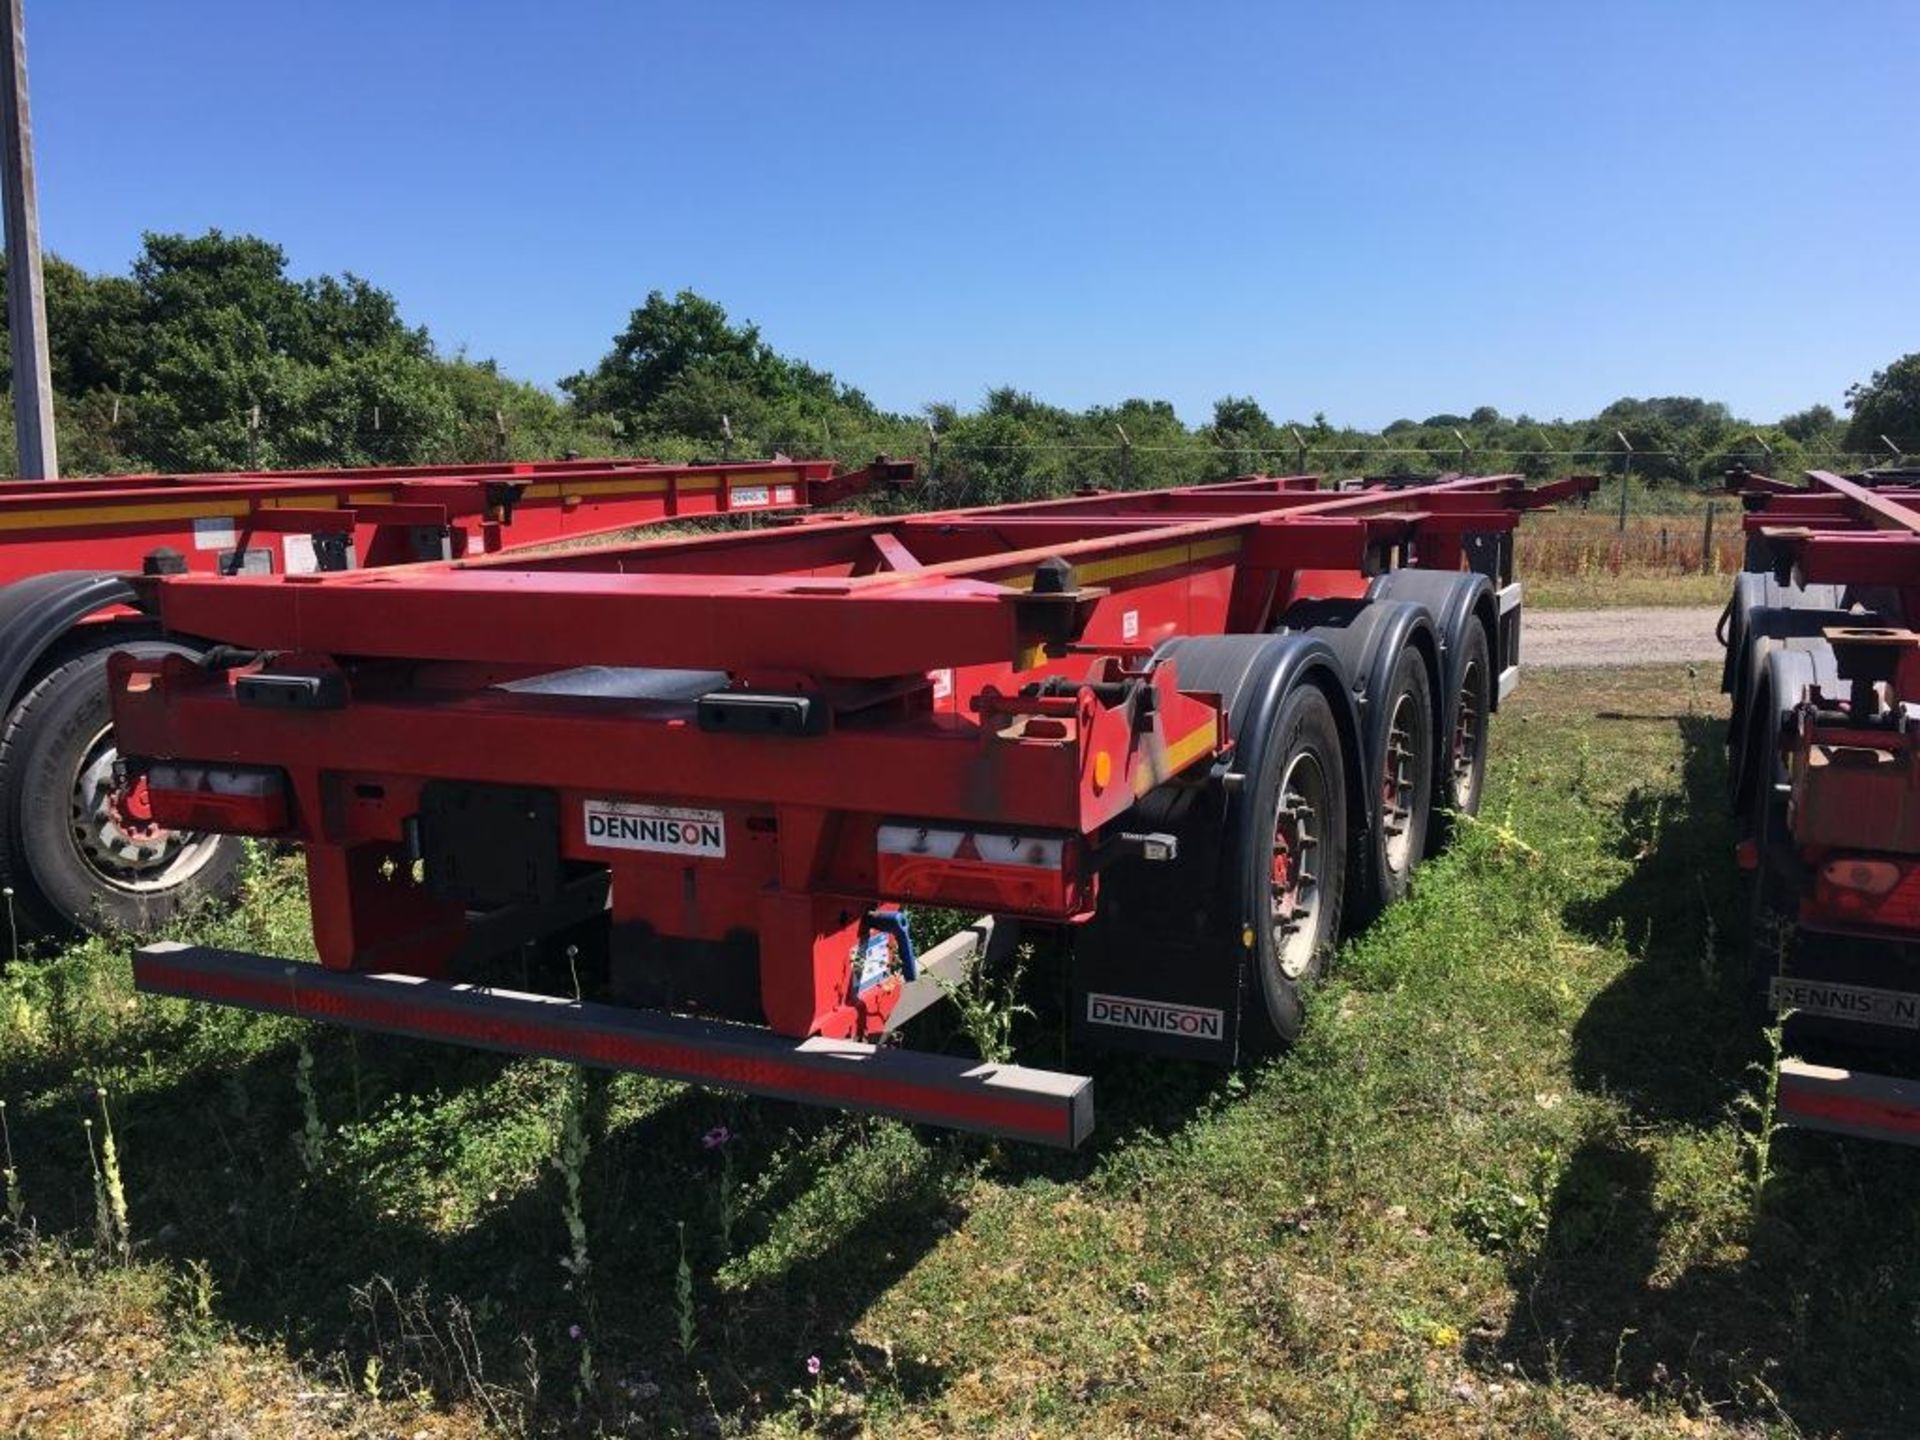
{"x": 1399, "y": 782}
{"x": 1466, "y": 738}
{"x": 1295, "y": 866}
{"x": 115, "y": 833}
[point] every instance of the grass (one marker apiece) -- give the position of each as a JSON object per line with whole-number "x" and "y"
{"x": 1600, "y": 591}
{"x": 1582, "y": 559}
{"x": 1506, "y": 1185}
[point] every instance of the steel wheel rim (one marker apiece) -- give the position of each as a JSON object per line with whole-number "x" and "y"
{"x": 1296, "y": 868}
{"x": 117, "y": 844}
{"x": 1467, "y": 722}
{"x": 1399, "y": 785}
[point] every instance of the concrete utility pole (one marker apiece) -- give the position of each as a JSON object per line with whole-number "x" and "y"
{"x": 26, "y": 290}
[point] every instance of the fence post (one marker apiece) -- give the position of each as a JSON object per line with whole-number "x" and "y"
{"x": 253, "y": 437}
{"x": 1707, "y": 566}
{"x": 1626, "y": 474}
{"x": 1126, "y": 457}
{"x": 499, "y": 435}
{"x": 1466, "y": 453}
{"x": 933, "y": 452}
{"x": 1299, "y": 451}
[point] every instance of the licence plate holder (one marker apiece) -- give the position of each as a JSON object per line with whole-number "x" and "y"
{"x": 490, "y": 845}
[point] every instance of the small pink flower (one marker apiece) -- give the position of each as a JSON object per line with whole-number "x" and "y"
{"x": 574, "y": 1332}
{"x": 716, "y": 1137}
{"x": 813, "y": 1364}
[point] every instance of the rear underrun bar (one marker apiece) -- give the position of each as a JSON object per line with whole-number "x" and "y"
{"x": 1042, "y": 1106}
{"x": 1848, "y": 1102}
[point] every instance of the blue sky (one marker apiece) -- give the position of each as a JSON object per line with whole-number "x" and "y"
{"x": 1373, "y": 210}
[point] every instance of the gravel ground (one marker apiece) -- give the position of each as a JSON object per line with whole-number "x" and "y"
{"x": 1651, "y": 636}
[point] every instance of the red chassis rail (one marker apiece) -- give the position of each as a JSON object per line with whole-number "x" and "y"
{"x": 269, "y": 520}
{"x": 82, "y": 852}
{"x": 754, "y": 743}
{"x": 1824, "y": 667}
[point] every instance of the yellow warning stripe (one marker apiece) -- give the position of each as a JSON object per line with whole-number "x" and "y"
{"x": 1175, "y": 758}
{"x": 584, "y": 489}
{"x": 83, "y": 516}
{"x": 1190, "y": 747}
{"x": 238, "y": 506}
{"x": 1094, "y": 572}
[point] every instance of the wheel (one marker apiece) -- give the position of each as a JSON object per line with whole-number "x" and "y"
{"x": 1402, "y": 767}
{"x": 1296, "y": 852}
{"x": 1459, "y": 780}
{"x": 79, "y": 851}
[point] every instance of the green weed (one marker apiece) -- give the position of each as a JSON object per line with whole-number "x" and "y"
{"x": 1506, "y": 1153}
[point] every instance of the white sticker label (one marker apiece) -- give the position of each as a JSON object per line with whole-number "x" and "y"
{"x": 668, "y": 829}
{"x": 214, "y": 534}
{"x": 750, "y": 495}
{"x": 301, "y": 559}
{"x": 942, "y": 683}
{"x": 873, "y": 962}
{"x": 783, "y": 494}
{"x": 1187, "y": 1022}
{"x": 1129, "y": 624}
{"x": 1869, "y": 1006}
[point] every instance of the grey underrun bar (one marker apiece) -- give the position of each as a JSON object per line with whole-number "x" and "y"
{"x": 1041, "y": 1106}
{"x": 1848, "y": 1102}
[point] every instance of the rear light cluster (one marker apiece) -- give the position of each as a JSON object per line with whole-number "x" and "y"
{"x": 1008, "y": 874}
{"x": 1869, "y": 891}
{"x": 229, "y": 799}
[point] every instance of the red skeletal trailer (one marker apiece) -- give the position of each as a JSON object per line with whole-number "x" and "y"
{"x": 78, "y": 848}
{"x": 1194, "y": 725}
{"x": 1823, "y": 667}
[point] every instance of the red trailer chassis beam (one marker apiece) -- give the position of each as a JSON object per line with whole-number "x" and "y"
{"x": 1840, "y": 531}
{"x": 115, "y": 522}
{"x": 835, "y": 600}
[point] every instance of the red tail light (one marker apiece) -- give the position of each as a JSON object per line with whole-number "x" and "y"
{"x": 1007, "y": 874}
{"x": 229, "y": 799}
{"x": 1861, "y": 877}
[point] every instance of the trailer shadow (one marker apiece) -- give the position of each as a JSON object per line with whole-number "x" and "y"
{"x": 1663, "y": 1274}
{"x": 789, "y": 1229}
{"x": 1671, "y": 1034}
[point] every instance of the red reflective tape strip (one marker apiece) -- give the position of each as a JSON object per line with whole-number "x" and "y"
{"x": 1851, "y": 1110}
{"x": 1041, "y": 1119}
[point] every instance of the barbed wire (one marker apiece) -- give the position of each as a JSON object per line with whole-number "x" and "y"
{"x": 497, "y": 437}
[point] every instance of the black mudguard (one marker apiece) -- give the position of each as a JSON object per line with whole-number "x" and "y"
{"x": 1162, "y": 967}
{"x": 37, "y": 612}
{"x": 1367, "y": 636}
{"x": 1455, "y": 599}
{"x": 1774, "y": 650}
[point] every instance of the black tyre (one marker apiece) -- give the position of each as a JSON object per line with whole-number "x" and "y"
{"x": 79, "y": 852}
{"x": 1773, "y": 921}
{"x": 1294, "y": 848}
{"x": 1401, "y": 768}
{"x": 1461, "y": 775}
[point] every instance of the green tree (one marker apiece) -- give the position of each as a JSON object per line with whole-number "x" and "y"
{"x": 1887, "y": 405}
{"x": 1815, "y": 423}
{"x": 165, "y": 368}
{"x": 682, "y": 372}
